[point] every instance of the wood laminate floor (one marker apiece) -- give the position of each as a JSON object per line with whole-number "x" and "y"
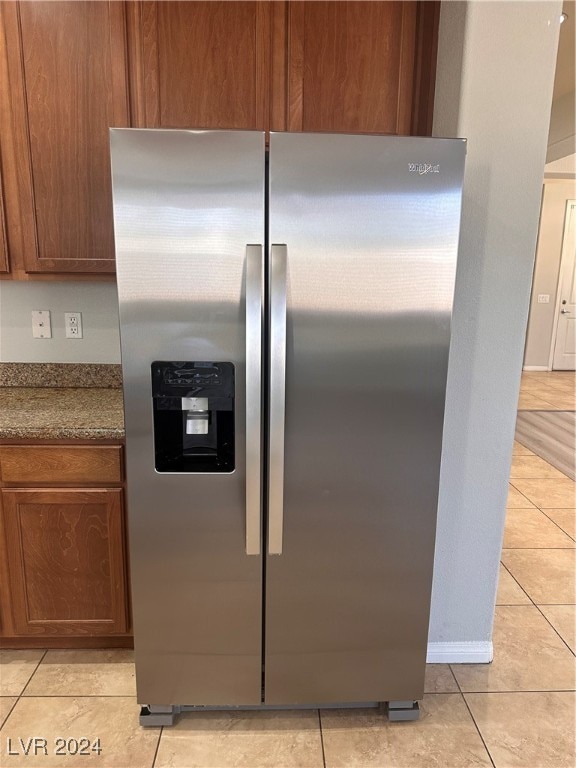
{"x": 551, "y": 435}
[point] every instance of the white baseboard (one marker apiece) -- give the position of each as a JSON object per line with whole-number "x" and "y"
{"x": 480, "y": 652}
{"x": 535, "y": 368}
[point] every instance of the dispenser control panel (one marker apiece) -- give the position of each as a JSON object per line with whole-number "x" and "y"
{"x": 193, "y": 416}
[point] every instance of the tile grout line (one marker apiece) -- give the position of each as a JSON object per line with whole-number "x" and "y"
{"x": 543, "y": 477}
{"x": 569, "y": 605}
{"x": 510, "y": 605}
{"x": 533, "y": 504}
{"x": 454, "y": 676}
{"x": 33, "y": 673}
{"x": 428, "y": 693}
{"x": 321, "y": 739}
{"x": 550, "y": 389}
{"x": 498, "y": 693}
{"x": 472, "y": 716}
{"x": 521, "y": 494}
{"x": 9, "y": 713}
{"x": 555, "y": 523}
{"x": 517, "y": 582}
{"x": 529, "y": 479}
{"x": 554, "y": 628}
{"x": 538, "y": 608}
{"x": 157, "y": 746}
{"x": 553, "y": 407}
{"x": 79, "y": 695}
{"x": 561, "y": 549}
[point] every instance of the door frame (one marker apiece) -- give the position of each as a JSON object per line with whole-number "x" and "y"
{"x": 570, "y": 212}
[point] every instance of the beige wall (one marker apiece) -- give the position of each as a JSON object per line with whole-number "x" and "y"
{"x": 548, "y": 252}
{"x": 98, "y": 303}
{"x": 561, "y": 138}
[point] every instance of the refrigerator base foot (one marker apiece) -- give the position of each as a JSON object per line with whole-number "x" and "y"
{"x": 153, "y": 716}
{"x": 403, "y": 710}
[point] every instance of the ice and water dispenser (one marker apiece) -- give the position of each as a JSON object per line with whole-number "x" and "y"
{"x": 193, "y": 416}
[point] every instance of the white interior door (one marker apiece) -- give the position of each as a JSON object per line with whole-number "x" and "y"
{"x": 565, "y": 345}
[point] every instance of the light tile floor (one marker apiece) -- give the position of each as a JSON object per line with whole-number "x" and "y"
{"x": 516, "y": 712}
{"x": 547, "y": 391}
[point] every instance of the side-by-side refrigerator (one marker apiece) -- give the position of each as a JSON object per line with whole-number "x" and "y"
{"x": 285, "y": 324}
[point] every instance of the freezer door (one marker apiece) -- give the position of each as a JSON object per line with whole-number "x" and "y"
{"x": 363, "y": 237}
{"x": 189, "y": 226}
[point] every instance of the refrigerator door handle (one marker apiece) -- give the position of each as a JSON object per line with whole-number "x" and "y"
{"x": 278, "y": 275}
{"x": 254, "y": 289}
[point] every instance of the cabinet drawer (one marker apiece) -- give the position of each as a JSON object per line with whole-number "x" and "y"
{"x": 61, "y": 464}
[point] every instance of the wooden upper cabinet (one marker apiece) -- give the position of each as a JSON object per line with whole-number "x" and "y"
{"x": 350, "y": 66}
{"x": 70, "y": 70}
{"x": 357, "y": 67}
{"x": 200, "y": 64}
{"x": 67, "y": 85}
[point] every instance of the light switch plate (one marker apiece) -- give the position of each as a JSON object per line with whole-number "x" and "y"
{"x": 543, "y": 298}
{"x": 41, "y": 324}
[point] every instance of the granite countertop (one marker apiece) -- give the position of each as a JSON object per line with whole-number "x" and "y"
{"x": 37, "y": 404}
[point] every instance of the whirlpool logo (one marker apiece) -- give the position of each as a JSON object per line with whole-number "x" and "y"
{"x": 422, "y": 168}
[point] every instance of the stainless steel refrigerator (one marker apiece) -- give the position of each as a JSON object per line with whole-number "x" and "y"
{"x": 285, "y": 324}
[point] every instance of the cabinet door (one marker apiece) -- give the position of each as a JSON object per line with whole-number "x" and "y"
{"x": 67, "y": 86}
{"x": 200, "y": 64}
{"x": 350, "y": 67}
{"x": 65, "y": 552}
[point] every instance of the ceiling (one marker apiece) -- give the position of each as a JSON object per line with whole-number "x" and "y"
{"x": 564, "y": 79}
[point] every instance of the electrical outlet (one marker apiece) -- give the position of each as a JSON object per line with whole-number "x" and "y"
{"x": 73, "y": 325}
{"x": 41, "y": 324}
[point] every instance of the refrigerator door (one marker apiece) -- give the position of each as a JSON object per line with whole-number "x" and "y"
{"x": 189, "y": 225}
{"x": 363, "y": 236}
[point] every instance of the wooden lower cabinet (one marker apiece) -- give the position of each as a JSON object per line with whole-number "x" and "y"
{"x": 63, "y": 553}
{"x": 65, "y": 561}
